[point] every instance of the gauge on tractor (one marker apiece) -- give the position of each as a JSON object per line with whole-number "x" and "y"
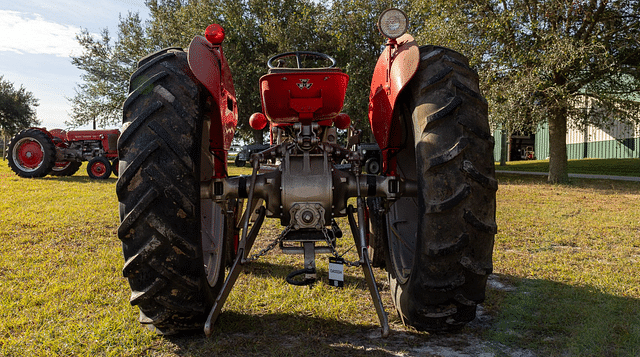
{"x": 393, "y": 23}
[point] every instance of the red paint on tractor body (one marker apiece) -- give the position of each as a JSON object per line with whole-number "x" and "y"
{"x": 107, "y": 137}
{"x": 208, "y": 64}
{"x": 395, "y": 68}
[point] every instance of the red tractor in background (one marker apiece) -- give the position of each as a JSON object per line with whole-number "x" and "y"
{"x": 36, "y": 152}
{"x": 428, "y": 216}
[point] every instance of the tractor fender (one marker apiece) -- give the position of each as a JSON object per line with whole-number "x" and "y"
{"x": 208, "y": 64}
{"x": 204, "y": 61}
{"x": 396, "y": 66}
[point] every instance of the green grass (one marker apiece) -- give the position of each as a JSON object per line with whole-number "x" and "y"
{"x": 573, "y": 253}
{"x": 618, "y": 167}
{"x": 570, "y": 255}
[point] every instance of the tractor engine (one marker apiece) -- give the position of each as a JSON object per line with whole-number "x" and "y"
{"x": 84, "y": 145}
{"x": 80, "y": 151}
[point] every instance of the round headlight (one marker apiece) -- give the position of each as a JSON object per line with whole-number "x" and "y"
{"x": 393, "y": 23}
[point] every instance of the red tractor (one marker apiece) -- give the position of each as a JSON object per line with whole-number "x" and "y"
{"x": 36, "y": 152}
{"x": 428, "y": 217}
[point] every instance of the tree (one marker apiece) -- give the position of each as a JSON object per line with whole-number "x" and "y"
{"x": 17, "y": 108}
{"x": 107, "y": 69}
{"x": 356, "y": 43}
{"x": 255, "y": 30}
{"x": 540, "y": 59}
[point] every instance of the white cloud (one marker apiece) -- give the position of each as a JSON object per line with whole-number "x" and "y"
{"x": 30, "y": 33}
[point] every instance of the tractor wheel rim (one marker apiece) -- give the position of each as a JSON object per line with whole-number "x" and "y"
{"x": 98, "y": 169}
{"x": 28, "y": 154}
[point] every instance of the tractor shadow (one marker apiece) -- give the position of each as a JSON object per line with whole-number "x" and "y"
{"x": 520, "y": 317}
{"x": 80, "y": 179}
{"x": 285, "y": 335}
{"x": 353, "y": 276}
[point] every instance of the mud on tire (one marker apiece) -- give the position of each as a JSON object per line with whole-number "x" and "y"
{"x": 438, "y": 268}
{"x": 159, "y": 193}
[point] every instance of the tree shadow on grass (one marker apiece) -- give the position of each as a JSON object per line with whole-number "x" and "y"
{"x": 596, "y": 184}
{"x": 79, "y": 179}
{"x": 554, "y": 318}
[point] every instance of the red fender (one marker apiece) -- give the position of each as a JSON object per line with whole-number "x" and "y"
{"x": 396, "y": 66}
{"x": 208, "y": 64}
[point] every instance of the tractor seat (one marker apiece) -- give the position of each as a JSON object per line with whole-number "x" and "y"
{"x": 290, "y": 95}
{"x": 293, "y": 70}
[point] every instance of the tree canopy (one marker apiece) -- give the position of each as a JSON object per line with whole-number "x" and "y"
{"x": 17, "y": 108}
{"x": 559, "y": 62}
{"x": 539, "y": 60}
{"x": 255, "y": 30}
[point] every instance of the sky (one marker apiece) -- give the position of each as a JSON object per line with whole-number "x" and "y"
{"x": 37, "y": 39}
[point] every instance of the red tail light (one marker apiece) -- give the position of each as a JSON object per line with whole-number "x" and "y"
{"x": 258, "y": 121}
{"x": 214, "y": 34}
{"x": 342, "y": 121}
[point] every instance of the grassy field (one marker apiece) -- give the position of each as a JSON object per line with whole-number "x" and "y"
{"x": 566, "y": 282}
{"x": 618, "y": 167}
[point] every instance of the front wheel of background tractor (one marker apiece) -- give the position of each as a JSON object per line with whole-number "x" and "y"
{"x": 99, "y": 168}
{"x": 31, "y": 153}
{"x": 115, "y": 167}
{"x": 65, "y": 168}
{"x": 441, "y": 243}
{"x": 171, "y": 238}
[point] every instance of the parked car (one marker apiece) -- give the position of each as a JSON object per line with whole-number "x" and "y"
{"x": 245, "y": 154}
{"x": 372, "y": 157}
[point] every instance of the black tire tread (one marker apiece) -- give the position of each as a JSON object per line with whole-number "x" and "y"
{"x": 456, "y": 196}
{"x": 158, "y": 190}
{"x": 377, "y": 232}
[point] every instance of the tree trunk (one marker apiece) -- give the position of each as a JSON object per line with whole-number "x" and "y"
{"x": 258, "y": 138}
{"x": 558, "y": 147}
{"x": 504, "y": 147}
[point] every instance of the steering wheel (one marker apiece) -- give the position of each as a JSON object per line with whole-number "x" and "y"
{"x": 297, "y": 55}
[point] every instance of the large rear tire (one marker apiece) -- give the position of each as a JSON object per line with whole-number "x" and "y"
{"x": 377, "y": 232}
{"x": 441, "y": 243}
{"x": 31, "y": 153}
{"x": 170, "y": 237}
